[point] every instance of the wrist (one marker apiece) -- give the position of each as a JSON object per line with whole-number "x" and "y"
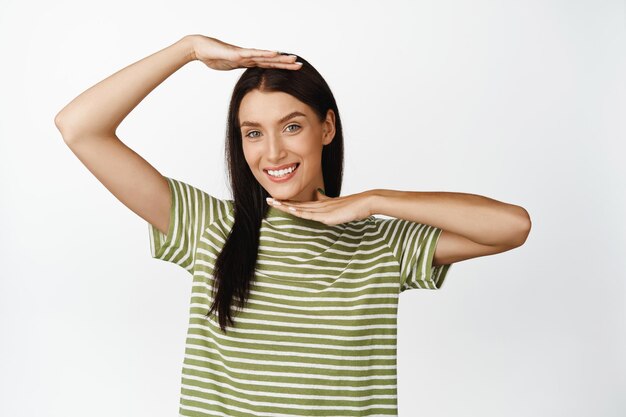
{"x": 373, "y": 198}
{"x": 377, "y": 199}
{"x": 188, "y": 43}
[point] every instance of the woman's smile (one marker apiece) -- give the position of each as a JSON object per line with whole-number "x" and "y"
{"x": 282, "y": 175}
{"x": 283, "y": 141}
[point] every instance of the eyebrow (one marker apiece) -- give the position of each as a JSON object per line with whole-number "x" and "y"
{"x": 282, "y": 120}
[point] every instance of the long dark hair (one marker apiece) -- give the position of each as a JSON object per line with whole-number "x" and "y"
{"x": 235, "y": 265}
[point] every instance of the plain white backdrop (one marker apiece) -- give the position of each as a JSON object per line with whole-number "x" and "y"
{"x": 520, "y": 101}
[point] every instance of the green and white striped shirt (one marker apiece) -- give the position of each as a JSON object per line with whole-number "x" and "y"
{"x": 318, "y": 334}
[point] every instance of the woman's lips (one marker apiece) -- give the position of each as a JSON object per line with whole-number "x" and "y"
{"x": 284, "y": 178}
{"x": 281, "y": 167}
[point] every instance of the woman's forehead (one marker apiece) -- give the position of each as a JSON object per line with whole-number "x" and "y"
{"x": 270, "y": 107}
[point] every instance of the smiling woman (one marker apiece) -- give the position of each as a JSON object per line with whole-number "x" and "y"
{"x": 315, "y": 303}
{"x": 315, "y": 290}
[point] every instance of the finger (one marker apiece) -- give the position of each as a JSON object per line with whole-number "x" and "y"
{"x": 302, "y": 206}
{"x": 296, "y": 211}
{"x": 321, "y": 203}
{"x": 280, "y": 65}
{"x": 253, "y": 52}
{"x": 305, "y": 214}
{"x": 282, "y": 62}
{"x": 299, "y": 203}
{"x": 275, "y": 60}
{"x": 309, "y": 215}
{"x": 287, "y": 209}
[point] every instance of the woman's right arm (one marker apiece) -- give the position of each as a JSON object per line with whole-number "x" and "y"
{"x": 88, "y": 123}
{"x": 100, "y": 109}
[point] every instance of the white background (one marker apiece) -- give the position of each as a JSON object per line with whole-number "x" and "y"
{"x": 520, "y": 101}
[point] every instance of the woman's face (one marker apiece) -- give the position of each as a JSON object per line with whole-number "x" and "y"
{"x": 278, "y": 131}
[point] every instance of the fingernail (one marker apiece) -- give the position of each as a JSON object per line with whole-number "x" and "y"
{"x": 292, "y": 208}
{"x": 299, "y": 63}
{"x": 269, "y": 200}
{"x": 321, "y": 191}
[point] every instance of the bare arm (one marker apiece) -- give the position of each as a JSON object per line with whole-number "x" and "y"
{"x": 473, "y": 225}
{"x": 88, "y": 123}
{"x": 100, "y": 109}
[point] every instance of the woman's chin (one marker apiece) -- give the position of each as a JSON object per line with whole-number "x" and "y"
{"x": 283, "y": 195}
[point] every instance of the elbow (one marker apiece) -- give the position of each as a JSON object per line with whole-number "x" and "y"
{"x": 64, "y": 127}
{"x": 57, "y": 121}
{"x": 523, "y": 228}
{"x": 61, "y": 125}
{"x": 60, "y": 121}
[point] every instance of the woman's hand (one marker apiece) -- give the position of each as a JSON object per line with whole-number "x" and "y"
{"x": 223, "y": 56}
{"x": 329, "y": 210}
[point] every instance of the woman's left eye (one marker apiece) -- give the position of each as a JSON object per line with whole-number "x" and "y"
{"x": 293, "y": 126}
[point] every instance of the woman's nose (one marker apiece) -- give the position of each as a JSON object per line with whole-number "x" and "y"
{"x": 275, "y": 149}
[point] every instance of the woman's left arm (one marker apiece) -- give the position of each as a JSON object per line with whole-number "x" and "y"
{"x": 472, "y": 225}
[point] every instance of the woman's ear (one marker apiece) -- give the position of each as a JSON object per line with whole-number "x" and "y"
{"x": 328, "y": 128}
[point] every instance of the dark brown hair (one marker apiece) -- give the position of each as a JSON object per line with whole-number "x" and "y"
{"x": 235, "y": 265}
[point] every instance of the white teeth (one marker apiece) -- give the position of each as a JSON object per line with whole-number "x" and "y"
{"x": 282, "y": 172}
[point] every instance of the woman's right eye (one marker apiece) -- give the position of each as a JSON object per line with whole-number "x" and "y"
{"x": 249, "y": 134}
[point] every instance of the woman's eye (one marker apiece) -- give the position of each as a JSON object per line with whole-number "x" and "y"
{"x": 249, "y": 134}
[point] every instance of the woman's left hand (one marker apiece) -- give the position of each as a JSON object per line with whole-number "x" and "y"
{"x": 329, "y": 210}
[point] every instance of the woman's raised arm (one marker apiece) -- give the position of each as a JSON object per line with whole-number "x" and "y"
{"x": 88, "y": 123}
{"x": 99, "y": 110}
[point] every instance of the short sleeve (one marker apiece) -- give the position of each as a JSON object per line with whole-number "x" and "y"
{"x": 191, "y": 212}
{"x": 413, "y": 245}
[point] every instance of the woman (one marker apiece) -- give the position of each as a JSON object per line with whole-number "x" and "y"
{"x": 312, "y": 277}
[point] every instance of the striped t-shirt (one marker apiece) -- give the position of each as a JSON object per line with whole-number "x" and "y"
{"x": 318, "y": 334}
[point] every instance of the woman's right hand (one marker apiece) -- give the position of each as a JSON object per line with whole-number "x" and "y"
{"x": 223, "y": 56}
